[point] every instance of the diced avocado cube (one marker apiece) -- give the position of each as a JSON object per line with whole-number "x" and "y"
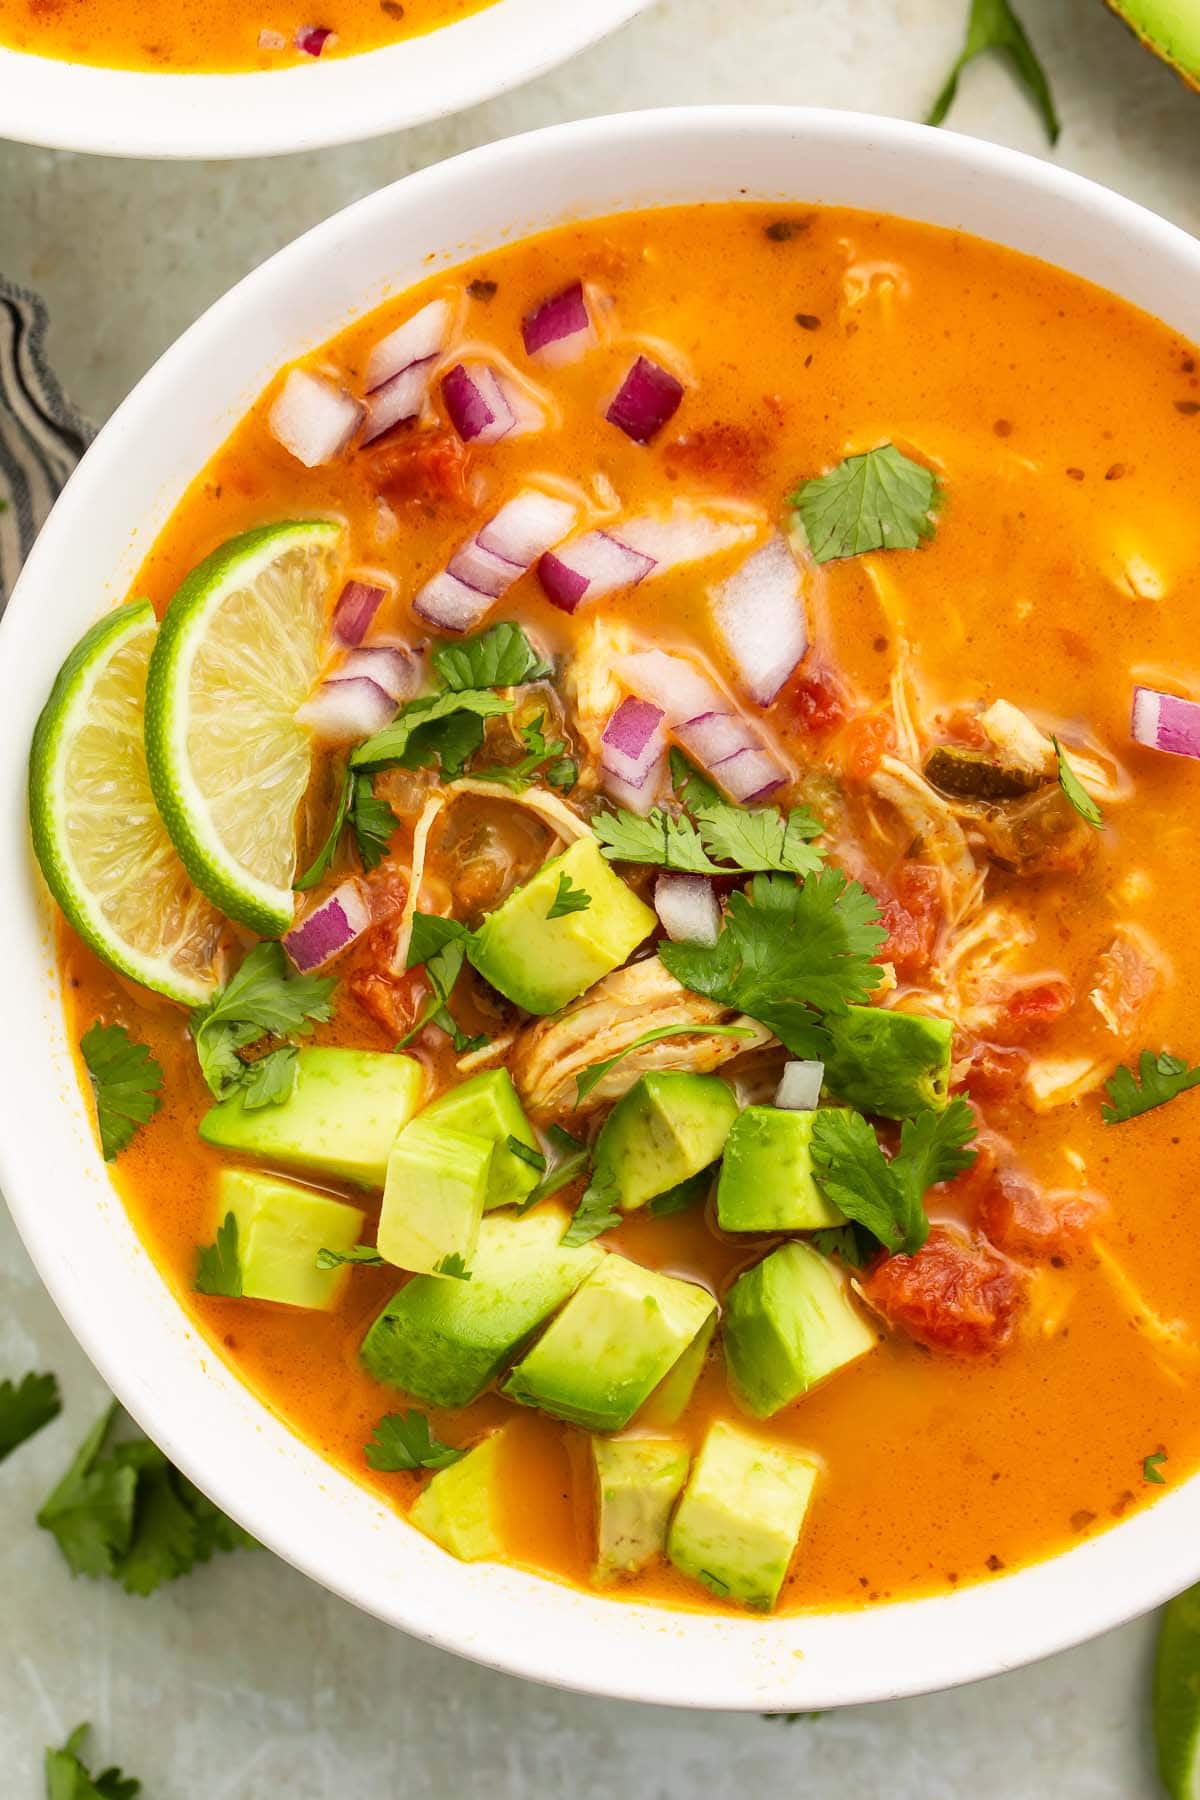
{"x": 669, "y": 1401}
{"x": 767, "y": 1181}
{"x": 667, "y": 1127}
{"x": 280, "y": 1229}
{"x": 740, "y": 1517}
{"x": 892, "y": 1063}
{"x": 487, "y": 1104}
{"x": 638, "y": 1481}
{"x": 611, "y": 1345}
{"x": 437, "y": 1181}
{"x": 340, "y": 1119}
{"x": 460, "y": 1509}
{"x": 446, "y": 1341}
{"x": 789, "y": 1322}
{"x": 541, "y": 963}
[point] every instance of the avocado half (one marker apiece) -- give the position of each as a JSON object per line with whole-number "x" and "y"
{"x": 1171, "y": 28}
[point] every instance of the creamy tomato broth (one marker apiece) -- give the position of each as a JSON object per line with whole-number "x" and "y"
{"x": 216, "y": 36}
{"x": 990, "y": 1393}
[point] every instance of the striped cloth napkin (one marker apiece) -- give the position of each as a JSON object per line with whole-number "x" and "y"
{"x": 42, "y": 436}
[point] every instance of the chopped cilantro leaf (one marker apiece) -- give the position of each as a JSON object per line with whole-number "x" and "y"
{"x": 993, "y": 25}
{"x": 568, "y": 899}
{"x": 68, "y": 1778}
{"x": 125, "y": 1081}
{"x": 404, "y": 1441}
{"x": 364, "y": 1254}
{"x": 881, "y": 500}
{"x": 269, "y": 1081}
{"x": 322, "y": 862}
{"x": 218, "y": 1267}
{"x": 753, "y": 840}
{"x": 1152, "y": 1468}
{"x": 452, "y": 1265}
{"x": 499, "y": 658}
{"x": 568, "y": 1161}
{"x": 660, "y": 839}
{"x": 1075, "y": 791}
{"x": 372, "y": 821}
{"x": 430, "y": 934}
{"x": 1162, "y": 1078}
{"x": 527, "y": 1154}
{"x": 435, "y": 728}
{"x": 787, "y": 953}
{"x": 691, "y": 788}
{"x": 441, "y": 946}
{"x": 261, "y": 1000}
{"x": 851, "y": 1244}
{"x": 595, "y": 1214}
{"x": 25, "y": 1406}
{"x": 684, "y": 1194}
{"x": 888, "y": 1198}
{"x": 544, "y": 758}
{"x": 595, "y": 1072}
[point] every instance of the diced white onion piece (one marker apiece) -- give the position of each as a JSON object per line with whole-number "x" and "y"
{"x": 688, "y": 908}
{"x": 800, "y": 1086}
{"x": 486, "y": 566}
{"x": 759, "y": 612}
{"x": 313, "y": 419}
{"x": 1165, "y": 722}
{"x": 482, "y": 570}
{"x": 403, "y": 397}
{"x": 527, "y": 526}
{"x": 639, "y": 798}
{"x": 750, "y": 775}
{"x": 716, "y": 736}
{"x": 672, "y": 682}
{"x": 398, "y": 672}
{"x": 593, "y": 565}
{"x": 329, "y": 929}
{"x": 450, "y": 604}
{"x": 419, "y": 338}
{"x": 634, "y": 742}
{"x": 687, "y": 534}
{"x": 345, "y": 712}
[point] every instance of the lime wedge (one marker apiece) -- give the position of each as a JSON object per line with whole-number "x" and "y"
{"x": 104, "y": 852}
{"x": 1177, "y": 1697}
{"x": 238, "y": 652}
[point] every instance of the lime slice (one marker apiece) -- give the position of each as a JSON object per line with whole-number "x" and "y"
{"x": 1177, "y": 1697}
{"x": 239, "y": 651}
{"x": 104, "y": 852}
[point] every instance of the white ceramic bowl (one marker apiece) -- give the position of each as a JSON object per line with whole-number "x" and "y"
{"x": 121, "y": 112}
{"x": 70, "y": 1218}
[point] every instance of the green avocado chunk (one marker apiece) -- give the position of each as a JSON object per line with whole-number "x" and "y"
{"x": 446, "y": 1341}
{"x": 894, "y": 1064}
{"x": 281, "y": 1226}
{"x": 789, "y": 1322}
{"x": 460, "y": 1509}
{"x": 669, "y": 1401}
{"x": 638, "y": 1481}
{"x": 437, "y": 1181}
{"x": 1171, "y": 28}
{"x": 668, "y": 1127}
{"x": 340, "y": 1119}
{"x": 613, "y": 1342}
{"x": 488, "y": 1106}
{"x": 741, "y": 1514}
{"x": 767, "y": 1181}
{"x": 541, "y": 963}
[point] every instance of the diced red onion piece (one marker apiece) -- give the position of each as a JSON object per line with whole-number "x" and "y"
{"x": 450, "y": 604}
{"x": 526, "y": 526}
{"x": 478, "y": 568}
{"x": 345, "y": 712}
{"x": 487, "y": 565}
{"x": 634, "y": 742}
{"x": 750, "y": 775}
{"x": 759, "y": 612}
{"x": 416, "y": 341}
{"x": 477, "y": 404}
{"x": 395, "y": 670}
{"x": 714, "y": 737}
{"x": 672, "y": 682}
{"x": 1165, "y": 722}
{"x": 313, "y": 419}
{"x": 401, "y": 398}
{"x": 559, "y": 331}
{"x": 329, "y": 929}
{"x": 645, "y": 400}
{"x": 595, "y": 564}
{"x": 312, "y": 39}
{"x": 800, "y": 1086}
{"x": 688, "y": 909}
{"x": 637, "y": 798}
{"x": 357, "y": 605}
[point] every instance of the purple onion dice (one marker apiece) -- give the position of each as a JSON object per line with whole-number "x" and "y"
{"x": 647, "y": 398}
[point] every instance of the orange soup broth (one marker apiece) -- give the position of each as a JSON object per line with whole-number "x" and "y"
{"x": 1064, "y": 423}
{"x": 208, "y": 37}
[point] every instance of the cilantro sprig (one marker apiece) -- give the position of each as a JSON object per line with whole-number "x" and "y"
{"x": 500, "y": 657}
{"x": 1075, "y": 791}
{"x": 888, "y": 1198}
{"x": 403, "y": 1441}
{"x": 440, "y": 946}
{"x": 544, "y": 759}
{"x": 263, "y": 999}
{"x": 993, "y": 25}
{"x": 218, "y": 1265}
{"x": 568, "y": 1159}
{"x": 453, "y": 1265}
{"x": 69, "y": 1778}
{"x": 444, "y": 729}
{"x": 25, "y": 1406}
{"x": 1159, "y": 1079}
{"x": 126, "y": 1083}
{"x": 722, "y": 839}
{"x": 595, "y": 1072}
{"x": 568, "y": 899}
{"x": 362, "y": 1255}
{"x": 371, "y": 820}
{"x": 881, "y": 500}
{"x": 596, "y": 1213}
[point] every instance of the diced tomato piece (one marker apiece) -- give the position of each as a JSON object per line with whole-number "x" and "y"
{"x": 964, "y": 728}
{"x": 428, "y": 468}
{"x": 956, "y": 1294}
{"x": 911, "y": 916}
{"x": 863, "y": 744}
{"x": 1029, "y": 1010}
{"x": 993, "y": 1072}
{"x": 1025, "y": 1221}
{"x": 725, "y": 456}
{"x": 816, "y": 700}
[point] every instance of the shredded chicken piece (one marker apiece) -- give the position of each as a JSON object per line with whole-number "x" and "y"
{"x": 1171, "y": 1339}
{"x": 1054, "y": 1081}
{"x": 1126, "y": 977}
{"x": 975, "y": 967}
{"x": 931, "y": 819}
{"x": 590, "y": 678}
{"x": 1016, "y": 737}
{"x": 610, "y": 1017}
{"x": 489, "y": 1057}
{"x": 908, "y": 739}
{"x": 429, "y": 814}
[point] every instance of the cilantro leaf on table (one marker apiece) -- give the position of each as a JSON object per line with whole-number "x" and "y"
{"x": 440, "y": 945}
{"x": 595, "y": 1072}
{"x": 365, "y": 1255}
{"x": 405, "y": 1441}
{"x": 1075, "y": 791}
{"x": 218, "y": 1267}
{"x": 452, "y": 1264}
{"x": 722, "y": 839}
{"x": 993, "y": 25}
{"x": 126, "y": 1083}
{"x": 261, "y": 1000}
{"x": 68, "y": 1778}
{"x": 888, "y": 1198}
{"x": 568, "y": 1160}
{"x": 568, "y": 899}
{"x": 25, "y": 1406}
{"x": 787, "y": 954}
{"x": 498, "y": 658}
{"x": 544, "y": 758}
{"x": 1162, "y": 1077}
{"x": 444, "y": 728}
{"x": 595, "y": 1214}
{"x": 881, "y": 500}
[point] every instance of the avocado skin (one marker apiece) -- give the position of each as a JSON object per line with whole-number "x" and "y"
{"x": 892, "y": 1064}
{"x": 1158, "y": 26}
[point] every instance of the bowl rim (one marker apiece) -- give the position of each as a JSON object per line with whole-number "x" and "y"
{"x": 110, "y": 1293}
{"x": 148, "y": 113}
